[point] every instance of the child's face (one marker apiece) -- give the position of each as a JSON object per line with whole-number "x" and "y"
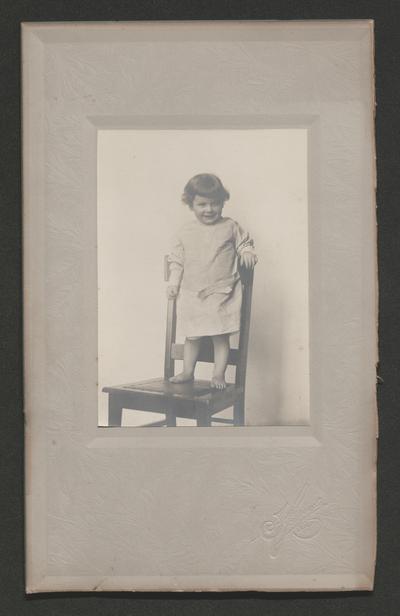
{"x": 206, "y": 210}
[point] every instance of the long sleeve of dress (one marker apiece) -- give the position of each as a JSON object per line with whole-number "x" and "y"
{"x": 176, "y": 261}
{"x": 244, "y": 243}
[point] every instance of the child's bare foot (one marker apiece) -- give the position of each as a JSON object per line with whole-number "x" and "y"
{"x": 183, "y": 377}
{"x": 218, "y": 382}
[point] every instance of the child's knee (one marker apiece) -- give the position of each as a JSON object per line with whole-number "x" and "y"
{"x": 221, "y": 340}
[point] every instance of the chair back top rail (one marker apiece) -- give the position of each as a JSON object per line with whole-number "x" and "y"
{"x": 206, "y": 352}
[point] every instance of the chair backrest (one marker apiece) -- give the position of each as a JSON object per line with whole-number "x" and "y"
{"x": 237, "y": 357}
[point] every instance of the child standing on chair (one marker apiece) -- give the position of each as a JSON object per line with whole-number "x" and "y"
{"x": 204, "y": 275}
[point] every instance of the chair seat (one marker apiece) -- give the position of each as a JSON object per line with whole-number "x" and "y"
{"x": 187, "y": 398}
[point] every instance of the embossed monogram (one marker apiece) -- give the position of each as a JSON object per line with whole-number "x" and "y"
{"x": 298, "y": 518}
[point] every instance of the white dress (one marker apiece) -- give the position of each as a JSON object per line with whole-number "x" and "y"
{"x": 204, "y": 264}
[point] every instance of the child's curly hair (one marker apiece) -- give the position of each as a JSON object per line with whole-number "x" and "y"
{"x": 204, "y": 185}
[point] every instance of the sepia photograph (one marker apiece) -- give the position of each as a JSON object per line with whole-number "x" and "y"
{"x": 203, "y": 277}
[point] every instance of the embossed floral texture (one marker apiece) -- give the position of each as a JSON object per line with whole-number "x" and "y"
{"x": 104, "y": 508}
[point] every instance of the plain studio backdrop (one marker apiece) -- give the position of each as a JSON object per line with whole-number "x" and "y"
{"x": 141, "y": 176}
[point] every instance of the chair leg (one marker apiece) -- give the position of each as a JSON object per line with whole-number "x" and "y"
{"x": 238, "y": 412}
{"x": 114, "y": 411}
{"x": 170, "y": 415}
{"x": 204, "y": 422}
{"x": 203, "y": 417}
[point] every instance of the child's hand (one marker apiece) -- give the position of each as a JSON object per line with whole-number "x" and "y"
{"x": 248, "y": 260}
{"x": 172, "y": 291}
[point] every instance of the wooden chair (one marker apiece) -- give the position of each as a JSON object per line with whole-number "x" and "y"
{"x": 195, "y": 400}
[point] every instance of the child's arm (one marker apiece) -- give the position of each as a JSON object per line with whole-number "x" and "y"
{"x": 176, "y": 261}
{"x": 245, "y": 247}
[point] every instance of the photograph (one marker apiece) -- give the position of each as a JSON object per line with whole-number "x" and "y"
{"x": 203, "y": 314}
{"x": 199, "y": 233}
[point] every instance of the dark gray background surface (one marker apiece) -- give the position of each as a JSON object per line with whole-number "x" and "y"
{"x": 386, "y": 597}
